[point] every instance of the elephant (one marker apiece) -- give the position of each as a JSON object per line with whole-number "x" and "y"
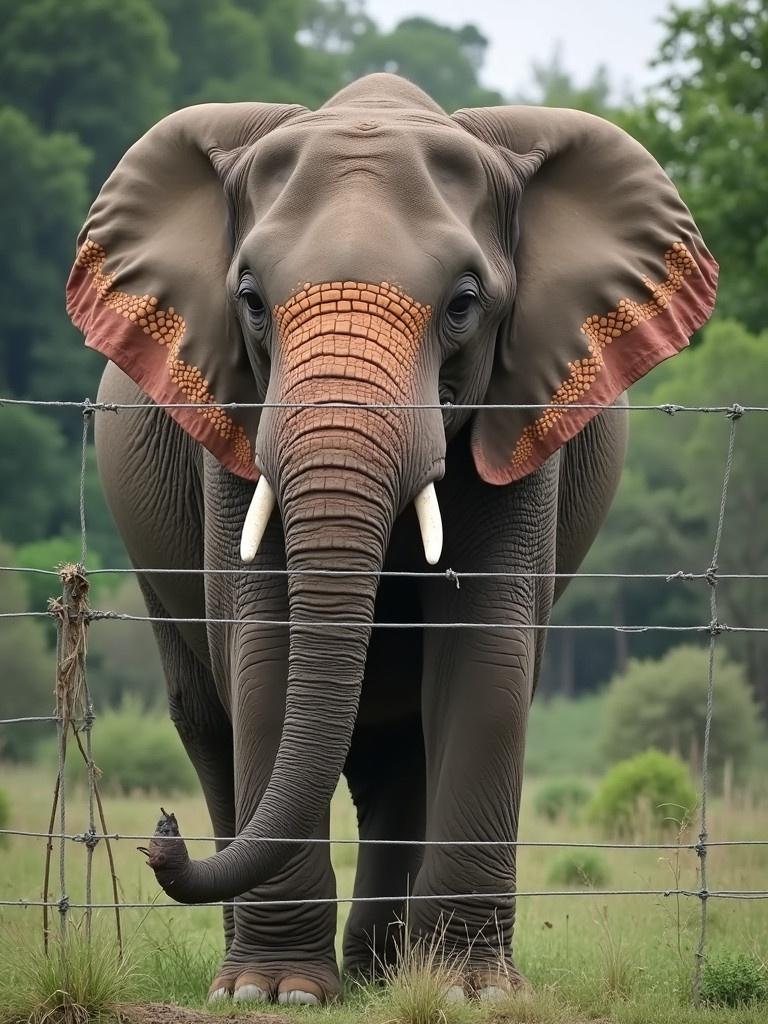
{"x": 375, "y": 359}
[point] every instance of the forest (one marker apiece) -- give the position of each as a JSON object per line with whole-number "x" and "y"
{"x": 80, "y": 81}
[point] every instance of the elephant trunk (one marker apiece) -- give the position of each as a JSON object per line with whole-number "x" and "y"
{"x": 341, "y": 476}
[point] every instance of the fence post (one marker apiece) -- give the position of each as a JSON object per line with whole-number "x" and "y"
{"x": 71, "y": 612}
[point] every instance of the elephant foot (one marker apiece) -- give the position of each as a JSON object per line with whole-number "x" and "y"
{"x": 489, "y": 985}
{"x": 289, "y": 984}
{"x": 494, "y": 984}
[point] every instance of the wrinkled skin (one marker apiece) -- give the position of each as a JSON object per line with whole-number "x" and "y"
{"x": 427, "y": 725}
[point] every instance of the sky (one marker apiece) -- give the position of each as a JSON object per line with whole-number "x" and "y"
{"x": 622, "y": 34}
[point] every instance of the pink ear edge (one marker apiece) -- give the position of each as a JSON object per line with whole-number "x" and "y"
{"x": 624, "y": 362}
{"x": 108, "y": 329}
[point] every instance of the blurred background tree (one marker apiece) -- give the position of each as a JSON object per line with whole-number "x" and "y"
{"x": 80, "y": 81}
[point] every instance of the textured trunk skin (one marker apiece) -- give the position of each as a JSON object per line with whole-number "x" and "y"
{"x": 338, "y": 474}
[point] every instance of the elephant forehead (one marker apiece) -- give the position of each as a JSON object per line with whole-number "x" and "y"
{"x": 364, "y": 201}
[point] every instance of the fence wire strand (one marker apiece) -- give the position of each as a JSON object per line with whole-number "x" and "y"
{"x": 75, "y": 711}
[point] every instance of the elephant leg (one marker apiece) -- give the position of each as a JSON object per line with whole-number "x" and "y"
{"x": 477, "y": 687}
{"x": 386, "y": 776}
{"x": 279, "y": 953}
{"x": 203, "y": 727}
{"x": 477, "y": 691}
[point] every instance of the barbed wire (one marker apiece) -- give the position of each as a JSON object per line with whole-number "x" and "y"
{"x": 669, "y": 408}
{"x": 81, "y": 837}
{"x": 77, "y": 616}
{"x": 755, "y": 894}
{"x": 95, "y": 615}
{"x": 451, "y": 575}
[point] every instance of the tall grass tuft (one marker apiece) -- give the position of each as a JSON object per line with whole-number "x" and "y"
{"x": 73, "y": 984}
{"x": 421, "y": 981}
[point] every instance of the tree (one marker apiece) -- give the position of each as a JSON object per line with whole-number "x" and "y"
{"x": 444, "y": 61}
{"x": 97, "y": 69}
{"x": 44, "y": 181}
{"x": 663, "y": 704}
{"x": 27, "y": 680}
{"x": 39, "y": 473}
{"x": 708, "y": 125}
{"x": 554, "y": 87}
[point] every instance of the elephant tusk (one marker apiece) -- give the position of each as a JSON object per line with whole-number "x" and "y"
{"x": 259, "y": 511}
{"x": 430, "y": 523}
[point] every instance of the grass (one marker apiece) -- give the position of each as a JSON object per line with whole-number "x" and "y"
{"x": 621, "y": 959}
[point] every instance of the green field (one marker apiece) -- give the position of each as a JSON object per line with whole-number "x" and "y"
{"x": 615, "y": 958}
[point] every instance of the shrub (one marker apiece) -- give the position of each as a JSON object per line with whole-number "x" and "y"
{"x": 663, "y": 703}
{"x": 578, "y": 867}
{"x": 563, "y": 737}
{"x": 140, "y": 750}
{"x": 561, "y": 798}
{"x": 652, "y": 788}
{"x": 122, "y": 656}
{"x": 733, "y": 979}
{"x": 27, "y": 678}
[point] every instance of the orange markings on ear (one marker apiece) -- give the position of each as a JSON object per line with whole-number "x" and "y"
{"x": 602, "y": 330}
{"x": 167, "y": 328}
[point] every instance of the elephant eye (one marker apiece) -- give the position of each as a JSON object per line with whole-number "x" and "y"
{"x": 254, "y": 304}
{"x": 462, "y": 305}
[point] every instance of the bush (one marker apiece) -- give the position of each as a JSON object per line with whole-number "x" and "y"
{"x": 578, "y": 867}
{"x": 663, "y": 703}
{"x": 651, "y": 788}
{"x": 28, "y": 667}
{"x": 123, "y": 657}
{"x": 733, "y": 979}
{"x": 561, "y": 798}
{"x": 139, "y": 750}
{"x": 563, "y": 737}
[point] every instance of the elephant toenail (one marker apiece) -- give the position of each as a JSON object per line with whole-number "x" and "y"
{"x": 454, "y": 994}
{"x": 251, "y": 994}
{"x": 298, "y": 998}
{"x": 492, "y": 994}
{"x": 218, "y": 994}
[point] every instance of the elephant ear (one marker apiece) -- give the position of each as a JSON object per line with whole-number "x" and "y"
{"x": 148, "y": 285}
{"x": 612, "y": 278}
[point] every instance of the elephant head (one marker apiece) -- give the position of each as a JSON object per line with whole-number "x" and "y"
{"x": 332, "y": 265}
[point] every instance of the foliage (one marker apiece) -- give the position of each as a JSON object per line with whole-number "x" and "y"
{"x": 650, "y": 789}
{"x": 122, "y": 656}
{"x": 733, "y": 979}
{"x": 579, "y": 868}
{"x": 444, "y": 61}
{"x": 563, "y": 737}
{"x": 663, "y": 704}
{"x": 554, "y": 87}
{"x": 96, "y": 69}
{"x": 27, "y": 680}
{"x": 138, "y": 750}
{"x": 39, "y": 475}
{"x": 706, "y": 123}
{"x": 75, "y": 983}
{"x": 561, "y": 798}
{"x": 46, "y": 176}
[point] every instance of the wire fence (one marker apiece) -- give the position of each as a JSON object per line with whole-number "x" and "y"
{"x": 74, "y": 715}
